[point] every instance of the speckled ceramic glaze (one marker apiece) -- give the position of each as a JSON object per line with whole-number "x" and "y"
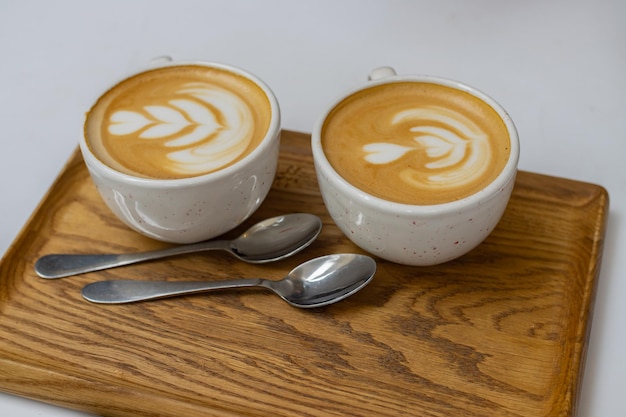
{"x": 415, "y": 234}
{"x": 192, "y": 209}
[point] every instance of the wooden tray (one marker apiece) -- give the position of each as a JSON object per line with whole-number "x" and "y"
{"x": 501, "y": 331}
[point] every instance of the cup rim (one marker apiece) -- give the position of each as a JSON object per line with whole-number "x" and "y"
{"x": 506, "y": 175}
{"x": 272, "y": 131}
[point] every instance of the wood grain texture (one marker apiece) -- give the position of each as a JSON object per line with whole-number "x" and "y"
{"x": 500, "y": 332}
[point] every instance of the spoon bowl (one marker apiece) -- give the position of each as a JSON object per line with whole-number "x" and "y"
{"x": 315, "y": 283}
{"x": 268, "y": 241}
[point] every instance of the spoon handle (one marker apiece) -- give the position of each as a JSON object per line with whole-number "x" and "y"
{"x": 64, "y": 265}
{"x": 128, "y": 291}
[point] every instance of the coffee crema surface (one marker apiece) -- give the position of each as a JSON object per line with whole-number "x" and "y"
{"x": 178, "y": 122}
{"x": 415, "y": 142}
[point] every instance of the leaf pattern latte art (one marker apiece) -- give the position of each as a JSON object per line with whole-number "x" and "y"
{"x": 203, "y": 129}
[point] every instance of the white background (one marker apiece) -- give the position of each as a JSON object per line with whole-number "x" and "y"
{"x": 557, "y": 66}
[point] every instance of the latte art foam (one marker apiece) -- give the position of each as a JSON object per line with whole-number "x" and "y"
{"x": 456, "y": 149}
{"x": 178, "y": 122}
{"x": 204, "y": 130}
{"x": 416, "y": 143}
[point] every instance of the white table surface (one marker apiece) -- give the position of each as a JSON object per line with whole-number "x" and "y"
{"x": 558, "y": 67}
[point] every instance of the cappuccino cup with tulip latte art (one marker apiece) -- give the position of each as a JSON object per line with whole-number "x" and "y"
{"x": 183, "y": 151}
{"x": 415, "y": 169}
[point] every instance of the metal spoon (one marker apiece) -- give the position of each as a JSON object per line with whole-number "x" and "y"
{"x": 270, "y": 240}
{"x": 315, "y": 283}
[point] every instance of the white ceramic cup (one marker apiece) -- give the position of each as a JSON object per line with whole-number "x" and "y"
{"x": 414, "y": 234}
{"x": 198, "y": 208}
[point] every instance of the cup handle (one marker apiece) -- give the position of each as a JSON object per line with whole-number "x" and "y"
{"x": 160, "y": 60}
{"x": 381, "y": 72}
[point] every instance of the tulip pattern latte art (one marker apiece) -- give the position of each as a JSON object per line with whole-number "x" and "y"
{"x": 416, "y": 143}
{"x": 178, "y": 122}
{"x": 456, "y": 150}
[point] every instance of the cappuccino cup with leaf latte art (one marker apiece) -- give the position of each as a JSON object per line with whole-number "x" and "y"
{"x": 183, "y": 152}
{"x": 415, "y": 169}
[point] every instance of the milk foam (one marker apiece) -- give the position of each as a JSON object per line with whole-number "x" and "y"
{"x": 457, "y": 150}
{"x": 205, "y": 127}
{"x": 416, "y": 143}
